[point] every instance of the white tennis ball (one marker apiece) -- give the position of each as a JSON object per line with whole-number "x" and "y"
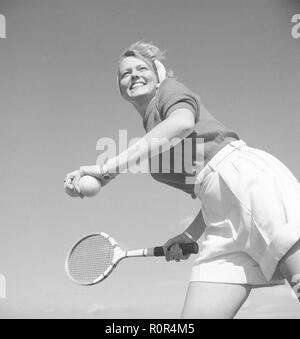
{"x": 89, "y": 186}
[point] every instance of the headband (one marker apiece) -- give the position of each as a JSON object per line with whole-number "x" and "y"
{"x": 161, "y": 70}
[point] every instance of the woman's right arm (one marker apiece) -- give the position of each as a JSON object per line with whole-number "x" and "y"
{"x": 197, "y": 227}
{"x": 191, "y": 234}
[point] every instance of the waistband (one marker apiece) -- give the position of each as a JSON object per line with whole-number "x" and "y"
{"x": 213, "y": 164}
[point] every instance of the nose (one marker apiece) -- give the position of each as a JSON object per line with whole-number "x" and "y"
{"x": 134, "y": 75}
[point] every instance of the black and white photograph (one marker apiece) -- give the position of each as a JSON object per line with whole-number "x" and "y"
{"x": 150, "y": 164}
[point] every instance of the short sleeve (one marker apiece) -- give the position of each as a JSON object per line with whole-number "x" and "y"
{"x": 173, "y": 95}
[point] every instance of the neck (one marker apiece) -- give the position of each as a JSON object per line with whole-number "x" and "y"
{"x": 141, "y": 108}
{"x": 142, "y": 105}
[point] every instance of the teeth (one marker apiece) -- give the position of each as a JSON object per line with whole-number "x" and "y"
{"x": 138, "y": 84}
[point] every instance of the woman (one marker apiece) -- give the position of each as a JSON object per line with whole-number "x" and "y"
{"x": 250, "y": 213}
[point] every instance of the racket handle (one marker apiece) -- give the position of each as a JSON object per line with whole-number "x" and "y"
{"x": 186, "y": 249}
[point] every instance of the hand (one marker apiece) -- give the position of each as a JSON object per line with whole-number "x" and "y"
{"x": 71, "y": 182}
{"x": 173, "y": 250}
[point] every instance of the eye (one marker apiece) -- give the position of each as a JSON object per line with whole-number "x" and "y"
{"x": 124, "y": 74}
{"x": 143, "y": 68}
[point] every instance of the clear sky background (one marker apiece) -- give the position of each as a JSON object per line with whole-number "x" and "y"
{"x": 58, "y": 96}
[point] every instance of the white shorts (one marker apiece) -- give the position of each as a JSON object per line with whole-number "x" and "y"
{"x": 251, "y": 206}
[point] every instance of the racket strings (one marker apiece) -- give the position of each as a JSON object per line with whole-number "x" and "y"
{"x": 90, "y": 259}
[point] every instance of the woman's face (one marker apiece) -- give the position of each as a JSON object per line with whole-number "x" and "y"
{"x": 137, "y": 80}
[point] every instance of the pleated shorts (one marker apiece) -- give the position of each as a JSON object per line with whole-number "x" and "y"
{"x": 251, "y": 207}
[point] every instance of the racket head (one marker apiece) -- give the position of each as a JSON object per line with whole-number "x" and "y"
{"x": 92, "y": 259}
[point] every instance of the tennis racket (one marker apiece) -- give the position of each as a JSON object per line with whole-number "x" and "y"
{"x": 95, "y": 256}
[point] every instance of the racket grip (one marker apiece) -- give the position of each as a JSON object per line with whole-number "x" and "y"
{"x": 191, "y": 248}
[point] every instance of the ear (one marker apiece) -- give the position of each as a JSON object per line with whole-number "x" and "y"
{"x": 161, "y": 71}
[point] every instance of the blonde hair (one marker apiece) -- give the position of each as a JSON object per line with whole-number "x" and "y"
{"x": 148, "y": 52}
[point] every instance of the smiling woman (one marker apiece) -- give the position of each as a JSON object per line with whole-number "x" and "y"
{"x": 249, "y": 200}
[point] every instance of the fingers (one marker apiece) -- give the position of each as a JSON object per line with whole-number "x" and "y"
{"x": 76, "y": 179}
{"x": 68, "y": 182}
{"x": 71, "y": 184}
{"x": 174, "y": 252}
{"x": 71, "y": 192}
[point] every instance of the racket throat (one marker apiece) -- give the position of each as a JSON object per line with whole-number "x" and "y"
{"x": 143, "y": 252}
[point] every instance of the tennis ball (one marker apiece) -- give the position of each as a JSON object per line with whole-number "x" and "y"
{"x": 89, "y": 186}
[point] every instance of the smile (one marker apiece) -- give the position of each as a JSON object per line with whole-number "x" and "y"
{"x": 137, "y": 84}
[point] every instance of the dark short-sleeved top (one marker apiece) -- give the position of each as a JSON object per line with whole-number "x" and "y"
{"x": 179, "y": 166}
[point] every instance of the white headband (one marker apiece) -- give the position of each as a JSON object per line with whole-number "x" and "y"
{"x": 161, "y": 71}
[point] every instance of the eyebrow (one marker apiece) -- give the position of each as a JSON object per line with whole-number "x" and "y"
{"x": 128, "y": 68}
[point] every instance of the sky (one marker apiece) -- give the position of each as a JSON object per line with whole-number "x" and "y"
{"x": 59, "y": 96}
